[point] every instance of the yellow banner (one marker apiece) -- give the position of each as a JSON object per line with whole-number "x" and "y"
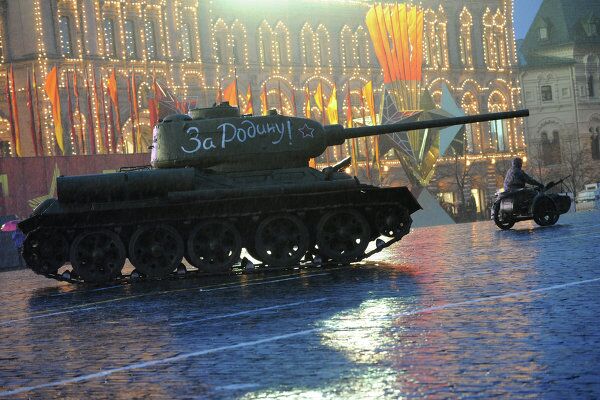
{"x": 332, "y": 107}
{"x": 51, "y": 88}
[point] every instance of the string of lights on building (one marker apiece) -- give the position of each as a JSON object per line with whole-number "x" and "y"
{"x": 137, "y": 37}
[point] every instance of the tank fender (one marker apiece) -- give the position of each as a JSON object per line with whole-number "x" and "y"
{"x": 31, "y": 223}
{"x": 121, "y": 186}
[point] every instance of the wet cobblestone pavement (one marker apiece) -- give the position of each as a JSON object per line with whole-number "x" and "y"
{"x": 454, "y": 311}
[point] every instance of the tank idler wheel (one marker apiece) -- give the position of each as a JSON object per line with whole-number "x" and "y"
{"x": 155, "y": 251}
{"x": 343, "y": 235}
{"x": 281, "y": 240}
{"x": 45, "y": 251}
{"x": 393, "y": 221}
{"x": 544, "y": 212}
{"x": 214, "y": 246}
{"x": 98, "y": 256}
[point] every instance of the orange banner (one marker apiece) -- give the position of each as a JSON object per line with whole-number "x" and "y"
{"x": 397, "y": 35}
{"x": 249, "y": 107}
{"x": 377, "y": 39}
{"x": 264, "y": 101}
{"x": 230, "y": 94}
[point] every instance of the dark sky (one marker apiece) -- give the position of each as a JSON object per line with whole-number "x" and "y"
{"x": 525, "y": 11}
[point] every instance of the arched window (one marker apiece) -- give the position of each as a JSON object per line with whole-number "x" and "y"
{"x": 494, "y": 40}
{"x": 66, "y": 47}
{"x": 238, "y": 43}
{"x": 237, "y": 50}
{"x": 499, "y": 128}
{"x": 281, "y": 44}
{"x": 595, "y": 136}
{"x": 323, "y": 46}
{"x": 221, "y": 38}
{"x": 308, "y": 45}
{"x": 435, "y": 40}
{"x": 150, "y": 34}
{"x": 472, "y": 131}
{"x": 187, "y": 51}
{"x": 110, "y": 45}
{"x": 466, "y": 41}
{"x": 130, "y": 45}
{"x": 362, "y": 52}
{"x": 592, "y": 71}
{"x": 347, "y": 47}
{"x": 264, "y": 43}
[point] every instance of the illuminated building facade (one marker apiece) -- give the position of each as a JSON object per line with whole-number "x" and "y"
{"x": 196, "y": 47}
{"x": 560, "y": 74}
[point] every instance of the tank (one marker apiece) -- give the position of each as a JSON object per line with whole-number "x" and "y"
{"x": 220, "y": 184}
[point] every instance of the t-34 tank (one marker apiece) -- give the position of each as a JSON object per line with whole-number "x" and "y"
{"x": 219, "y": 183}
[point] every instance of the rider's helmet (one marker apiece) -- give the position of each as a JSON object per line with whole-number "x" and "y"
{"x": 517, "y": 162}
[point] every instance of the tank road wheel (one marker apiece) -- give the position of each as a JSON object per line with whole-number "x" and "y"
{"x": 214, "y": 246}
{"x": 45, "y": 251}
{"x": 155, "y": 251}
{"x": 544, "y": 212}
{"x": 343, "y": 235}
{"x": 98, "y": 256}
{"x": 281, "y": 240}
{"x": 393, "y": 221}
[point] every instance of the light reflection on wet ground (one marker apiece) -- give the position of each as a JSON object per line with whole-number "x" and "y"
{"x": 464, "y": 310}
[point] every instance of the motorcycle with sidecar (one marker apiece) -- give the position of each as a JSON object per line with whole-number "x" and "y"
{"x": 528, "y": 203}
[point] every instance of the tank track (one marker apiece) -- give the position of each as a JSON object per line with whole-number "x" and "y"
{"x": 240, "y": 268}
{"x": 322, "y": 235}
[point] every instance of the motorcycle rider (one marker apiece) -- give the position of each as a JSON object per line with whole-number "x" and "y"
{"x": 516, "y": 178}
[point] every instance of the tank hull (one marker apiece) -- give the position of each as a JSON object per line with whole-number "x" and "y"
{"x": 197, "y": 219}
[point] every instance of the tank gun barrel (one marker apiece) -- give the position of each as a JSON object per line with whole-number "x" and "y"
{"x": 336, "y": 134}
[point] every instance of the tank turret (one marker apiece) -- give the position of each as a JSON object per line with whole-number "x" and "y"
{"x": 220, "y": 183}
{"x": 220, "y": 139}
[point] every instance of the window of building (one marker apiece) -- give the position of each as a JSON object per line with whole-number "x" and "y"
{"x": 546, "y": 91}
{"x": 435, "y": 41}
{"x": 279, "y": 49}
{"x": 465, "y": 39}
{"x": 110, "y": 46}
{"x": 590, "y": 27}
{"x": 498, "y": 132}
{"x": 347, "y": 51}
{"x": 550, "y": 148}
{"x": 595, "y": 132}
{"x": 66, "y": 47}
{"x": 236, "y": 52}
{"x": 596, "y": 146}
{"x": 150, "y": 40}
{"x": 495, "y": 47}
{"x": 362, "y": 50}
{"x": 323, "y": 48}
{"x": 130, "y": 45}
{"x": 265, "y": 50}
{"x": 186, "y": 42}
{"x": 543, "y": 33}
{"x": 590, "y": 82}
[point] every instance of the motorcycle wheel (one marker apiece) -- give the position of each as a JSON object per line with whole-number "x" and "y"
{"x": 545, "y": 213}
{"x": 504, "y": 225}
